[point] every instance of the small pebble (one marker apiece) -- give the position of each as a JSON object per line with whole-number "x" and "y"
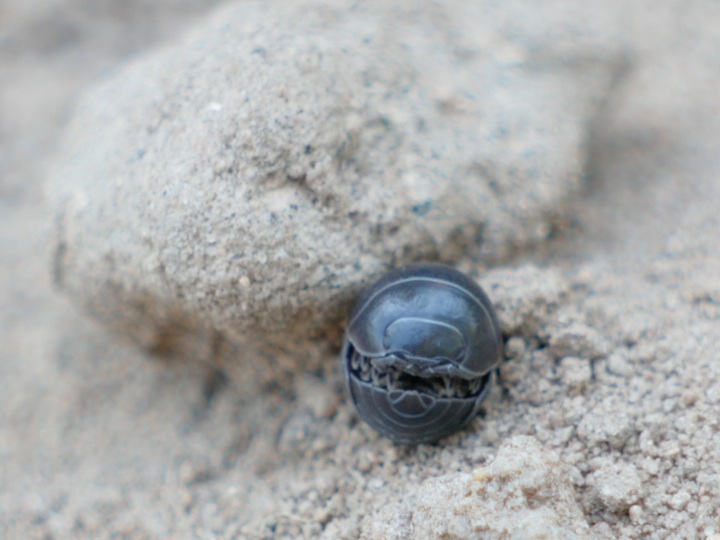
{"x": 636, "y": 513}
{"x": 618, "y": 365}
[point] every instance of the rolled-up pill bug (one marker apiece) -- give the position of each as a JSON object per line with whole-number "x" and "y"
{"x": 420, "y": 352}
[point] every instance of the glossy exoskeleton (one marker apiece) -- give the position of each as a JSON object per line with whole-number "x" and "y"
{"x": 420, "y": 350}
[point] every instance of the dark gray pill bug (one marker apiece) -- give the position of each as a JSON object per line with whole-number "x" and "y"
{"x": 420, "y": 351}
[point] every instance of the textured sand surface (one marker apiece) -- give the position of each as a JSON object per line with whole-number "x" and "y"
{"x": 608, "y": 418}
{"x": 250, "y": 180}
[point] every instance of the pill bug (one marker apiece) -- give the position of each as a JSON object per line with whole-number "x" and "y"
{"x": 420, "y": 351}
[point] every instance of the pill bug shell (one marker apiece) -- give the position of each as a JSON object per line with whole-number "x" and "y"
{"x": 420, "y": 349}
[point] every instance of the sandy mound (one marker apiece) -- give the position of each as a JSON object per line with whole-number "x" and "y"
{"x": 606, "y": 421}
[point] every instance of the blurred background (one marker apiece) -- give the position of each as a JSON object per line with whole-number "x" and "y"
{"x": 653, "y": 162}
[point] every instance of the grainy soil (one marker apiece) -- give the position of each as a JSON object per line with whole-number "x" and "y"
{"x": 613, "y": 369}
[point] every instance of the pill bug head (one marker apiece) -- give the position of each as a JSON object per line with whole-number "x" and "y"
{"x": 419, "y": 352}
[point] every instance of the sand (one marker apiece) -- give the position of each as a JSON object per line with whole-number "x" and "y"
{"x": 606, "y": 423}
